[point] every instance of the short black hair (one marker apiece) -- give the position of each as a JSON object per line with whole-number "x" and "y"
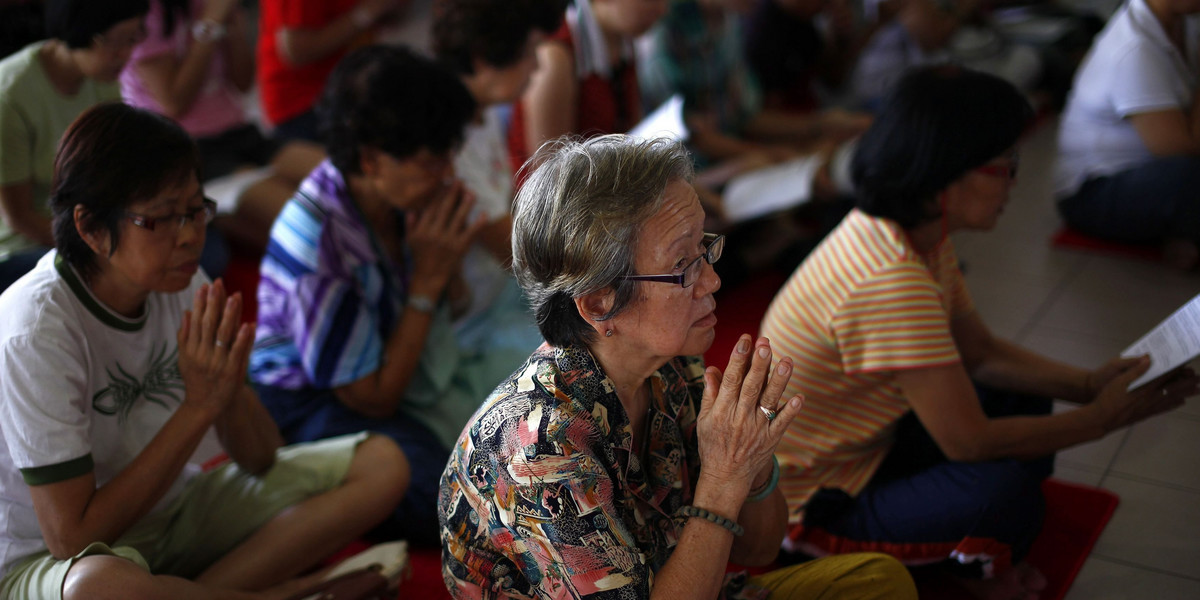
{"x": 937, "y": 123}
{"x": 394, "y": 100}
{"x": 78, "y": 22}
{"x": 493, "y": 31}
{"x": 112, "y": 156}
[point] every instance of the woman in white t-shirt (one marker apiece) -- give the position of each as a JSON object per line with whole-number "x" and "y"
{"x": 1129, "y": 140}
{"x": 119, "y": 358}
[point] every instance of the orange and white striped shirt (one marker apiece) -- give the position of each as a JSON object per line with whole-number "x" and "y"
{"x": 862, "y": 306}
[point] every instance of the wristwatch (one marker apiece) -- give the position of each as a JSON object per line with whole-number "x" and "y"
{"x": 208, "y": 31}
{"x": 421, "y": 303}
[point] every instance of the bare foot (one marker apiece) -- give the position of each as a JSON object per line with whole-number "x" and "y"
{"x": 1022, "y": 582}
{"x": 1031, "y": 578}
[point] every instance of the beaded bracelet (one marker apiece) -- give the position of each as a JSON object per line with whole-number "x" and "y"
{"x": 694, "y": 511}
{"x": 761, "y": 494}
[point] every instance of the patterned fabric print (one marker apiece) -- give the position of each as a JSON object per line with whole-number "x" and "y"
{"x": 544, "y": 496}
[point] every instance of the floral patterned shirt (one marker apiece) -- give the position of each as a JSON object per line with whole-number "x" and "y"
{"x": 545, "y": 497}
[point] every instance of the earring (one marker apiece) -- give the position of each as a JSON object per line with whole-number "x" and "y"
{"x": 608, "y": 333}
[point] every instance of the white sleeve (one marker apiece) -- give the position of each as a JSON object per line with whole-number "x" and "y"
{"x": 1143, "y": 81}
{"x": 45, "y": 411}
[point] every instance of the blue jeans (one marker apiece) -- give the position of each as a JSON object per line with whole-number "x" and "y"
{"x": 924, "y": 508}
{"x": 1155, "y": 201}
{"x": 312, "y": 414}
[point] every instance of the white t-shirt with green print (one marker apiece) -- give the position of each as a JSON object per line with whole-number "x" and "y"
{"x": 81, "y": 389}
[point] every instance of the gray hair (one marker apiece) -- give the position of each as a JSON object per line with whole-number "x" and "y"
{"x": 576, "y": 222}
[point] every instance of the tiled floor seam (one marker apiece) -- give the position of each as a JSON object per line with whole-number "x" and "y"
{"x": 1149, "y": 481}
{"x": 1050, "y": 298}
{"x": 1134, "y": 565}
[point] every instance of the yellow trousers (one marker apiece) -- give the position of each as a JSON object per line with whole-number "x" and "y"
{"x": 849, "y": 576}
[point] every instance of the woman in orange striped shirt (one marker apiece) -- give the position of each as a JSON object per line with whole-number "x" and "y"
{"x": 923, "y": 435}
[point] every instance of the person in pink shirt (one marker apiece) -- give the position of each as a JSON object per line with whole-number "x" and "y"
{"x": 194, "y": 66}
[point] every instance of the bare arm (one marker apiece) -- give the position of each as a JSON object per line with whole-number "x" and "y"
{"x": 1170, "y": 132}
{"x": 239, "y": 53}
{"x": 176, "y": 82}
{"x": 18, "y": 211}
{"x": 551, "y": 101}
{"x": 439, "y": 238}
{"x": 831, "y": 124}
{"x": 74, "y": 513}
{"x": 999, "y": 363}
{"x": 733, "y": 435}
{"x": 496, "y": 236}
{"x": 944, "y": 399}
{"x": 248, "y": 433}
{"x": 298, "y": 47}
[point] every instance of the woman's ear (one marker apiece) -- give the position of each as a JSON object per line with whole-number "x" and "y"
{"x": 368, "y": 161}
{"x": 99, "y": 241}
{"x": 592, "y": 307}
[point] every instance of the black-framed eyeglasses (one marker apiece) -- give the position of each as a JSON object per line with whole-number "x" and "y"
{"x": 170, "y": 225}
{"x": 714, "y": 245}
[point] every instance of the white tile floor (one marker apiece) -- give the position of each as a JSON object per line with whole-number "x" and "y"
{"x": 1084, "y": 308}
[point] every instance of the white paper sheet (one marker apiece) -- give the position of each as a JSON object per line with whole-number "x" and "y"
{"x": 666, "y": 121}
{"x": 770, "y": 189}
{"x": 1171, "y": 344}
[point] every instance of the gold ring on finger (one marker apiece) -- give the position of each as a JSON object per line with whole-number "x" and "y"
{"x": 770, "y": 414}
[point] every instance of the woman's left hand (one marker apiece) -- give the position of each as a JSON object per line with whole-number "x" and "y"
{"x": 1097, "y": 379}
{"x": 741, "y": 418}
{"x": 214, "y": 350}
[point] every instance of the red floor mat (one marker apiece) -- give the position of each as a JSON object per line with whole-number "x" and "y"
{"x": 1076, "y": 515}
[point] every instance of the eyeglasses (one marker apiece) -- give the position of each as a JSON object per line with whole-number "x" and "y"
{"x": 169, "y": 226}
{"x": 1009, "y": 170}
{"x": 713, "y": 246}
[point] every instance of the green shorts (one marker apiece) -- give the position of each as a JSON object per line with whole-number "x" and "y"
{"x": 216, "y": 511}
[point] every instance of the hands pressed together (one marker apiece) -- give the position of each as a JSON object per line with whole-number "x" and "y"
{"x": 214, "y": 348}
{"x": 743, "y": 416}
{"x": 439, "y": 236}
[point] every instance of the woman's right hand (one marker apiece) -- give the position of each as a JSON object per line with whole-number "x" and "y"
{"x": 1118, "y": 407}
{"x": 737, "y": 440}
{"x": 439, "y": 236}
{"x": 214, "y": 350}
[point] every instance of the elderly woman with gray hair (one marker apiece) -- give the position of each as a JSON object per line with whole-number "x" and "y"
{"x": 612, "y": 464}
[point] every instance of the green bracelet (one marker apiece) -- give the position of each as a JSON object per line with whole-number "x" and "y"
{"x": 693, "y": 511}
{"x": 766, "y": 490}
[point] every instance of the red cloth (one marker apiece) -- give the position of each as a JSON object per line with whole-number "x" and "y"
{"x": 597, "y": 112}
{"x": 285, "y": 91}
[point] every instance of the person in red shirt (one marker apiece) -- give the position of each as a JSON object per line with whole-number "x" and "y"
{"x": 299, "y": 42}
{"x": 586, "y": 82}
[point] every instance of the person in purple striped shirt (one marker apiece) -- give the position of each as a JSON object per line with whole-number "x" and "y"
{"x": 362, "y": 276}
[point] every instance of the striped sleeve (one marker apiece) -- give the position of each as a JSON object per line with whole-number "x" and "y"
{"x": 894, "y": 320}
{"x": 335, "y": 330}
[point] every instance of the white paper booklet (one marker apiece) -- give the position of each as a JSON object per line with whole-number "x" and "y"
{"x": 1171, "y": 344}
{"x": 770, "y": 189}
{"x": 666, "y": 121}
